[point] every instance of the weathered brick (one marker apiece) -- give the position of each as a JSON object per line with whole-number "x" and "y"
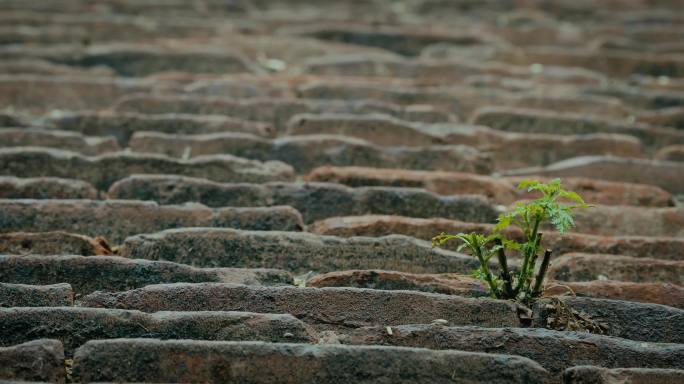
{"x": 116, "y": 219}
{"x": 666, "y": 248}
{"x": 671, "y": 153}
{"x": 325, "y": 307}
{"x": 585, "y": 267}
{"x": 103, "y": 170}
{"x": 665, "y": 174}
{"x": 38, "y": 94}
{"x": 75, "y": 326}
{"x": 110, "y": 273}
{"x": 306, "y": 152}
{"x": 37, "y": 360}
{"x": 52, "y": 243}
{"x": 597, "y": 375}
{"x": 293, "y": 251}
{"x": 70, "y": 141}
{"x": 154, "y": 360}
{"x": 314, "y": 200}
{"x": 21, "y": 295}
{"x": 626, "y": 319}
{"x": 553, "y": 350}
{"x": 602, "y": 192}
{"x": 657, "y": 293}
{"x": 45, "y": 188}
{"x": 539, "y": 121}
{"x": 124, "y": 125}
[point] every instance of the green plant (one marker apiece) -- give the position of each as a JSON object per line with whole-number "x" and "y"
{"x": 529, "y": 217}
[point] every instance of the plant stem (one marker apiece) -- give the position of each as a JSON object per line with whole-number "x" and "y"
{"x": 541, "y": 273}
{"x": 533, "y": 243}
{"x": 488, "y": 275}
{"x": 505, "y": 275}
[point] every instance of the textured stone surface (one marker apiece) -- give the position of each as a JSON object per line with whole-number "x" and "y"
{"x": 314, "y": 200}
{"x": 52, "y": 243}
{"x": 34, "y": 361}
{"x": 671, "y": 153}
{"x": 45, "y": 188}
{"x": 656, "y": 293}
{"x": 102, "y": 171}
{"x": 21, "y": 295}
{"x": 293, "y": 251}
{"x": 31, "y": 93}
{"x": 443, "y": 183}
{"x": 667, "y": 248}
{"x": 327, "y": 307}
{"x": 607, "y": 193}
{"x": 597, "y": 375}
{"x": 450, "y": 284}
{"x": 585, "y": 267}
{"x": 75, "y": 326}
{"x": 154, "y": 360}
{"x": 554, "y": 350}
{"x": 71, "y": 141}
{"x": 124, "y": 125}
{"x": 630, "y": 320}
{"x": 668, "y": 175}
{"x": 116, "y": 219}
{"x": 536, "y": 121}
{"x": 306, "y": 152}
{"x": 110, "y": 273}
{"x": 631, "y": 221}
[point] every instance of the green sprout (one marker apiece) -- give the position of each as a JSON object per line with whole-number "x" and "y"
{"x": 529, "y": 217}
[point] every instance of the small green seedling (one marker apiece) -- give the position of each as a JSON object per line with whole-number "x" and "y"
{"x": 528, "y": 216}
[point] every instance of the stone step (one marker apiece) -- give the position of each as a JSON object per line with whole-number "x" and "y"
{"x": 45, "y": 188}
{"x": 116, "y": 219}
{"x": 305, "y": 152}
{"x": 123, "y": 125}
{"x": 665, "y": 174}
{"x": 314, "y": 200}
{"x": 70, "y": 141}
{"x": 555, "y": 351}
{"x": 139, "y": 360}
{"x": 34, "y": 361}
{"x": 537, "y": 121}
{"x": 653, "y": 323}
{"x": 52, "y": 243}
{"x": 293, "y": 251}
{"x": 665, "y": 248}
{"x": 22, "y": 295}
{"x": 102, "y": 171}
{"x": 668, "y": 117}
{"x": 586, "y": 267}
{"x": 325, "y": 308}
{"x": 75, "y": 326}
{"x": 39, "y": 94}
{"x": 597, "y": 375}
{"x": 503, "y": 191}
{"x": 110, "y": 273}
